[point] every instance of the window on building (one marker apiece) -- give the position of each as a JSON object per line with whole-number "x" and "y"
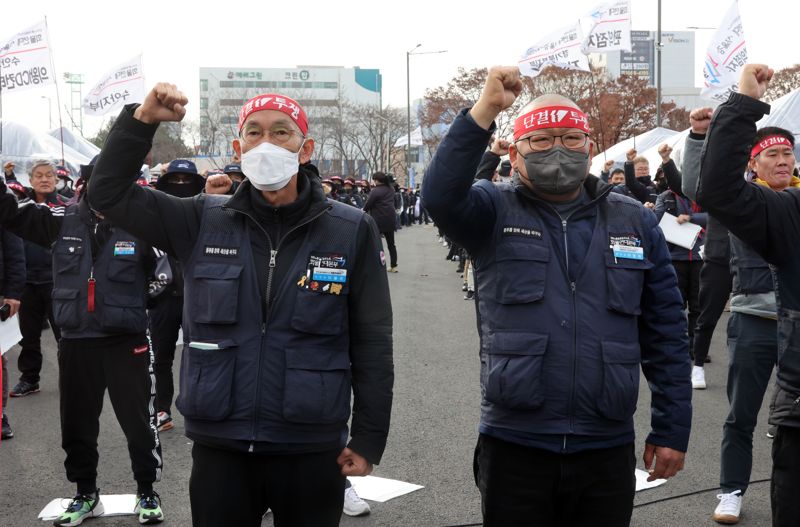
{"x": 204, "y": 103}
{"x": 203, "y": 84}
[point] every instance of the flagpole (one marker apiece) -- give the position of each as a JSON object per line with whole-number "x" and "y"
{"x": 597, "y": 109}
{"x": 58, "y": 96}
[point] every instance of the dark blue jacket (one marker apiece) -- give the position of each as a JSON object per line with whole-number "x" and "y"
{"x": 676, "y": 205}
{"x": 563, "y": 323}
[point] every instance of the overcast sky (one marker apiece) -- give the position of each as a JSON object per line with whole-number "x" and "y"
{"x": 177, "y": 37}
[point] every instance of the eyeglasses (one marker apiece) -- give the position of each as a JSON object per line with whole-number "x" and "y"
{"x": 542, "y": 142}
{"x": 277, "y": 136}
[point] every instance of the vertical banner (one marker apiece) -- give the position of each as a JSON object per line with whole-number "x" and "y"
{"x": 726, "y": 56}
{"x": 607, "y": 28}
{"x": 561, "y": 48}
{"x": 25, "y": 60}
{"x": 121, "y": 85}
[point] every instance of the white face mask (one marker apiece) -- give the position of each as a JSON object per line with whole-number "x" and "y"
{"x": 270, "y": 167}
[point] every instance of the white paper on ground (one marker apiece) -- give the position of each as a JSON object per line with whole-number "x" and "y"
{"x": 683, "y": 234}
{"x": 9, "y": 334}
{"x": 381, "y": 489}
{"x": 114, "y": 505}
{"x": 643, "y": 484}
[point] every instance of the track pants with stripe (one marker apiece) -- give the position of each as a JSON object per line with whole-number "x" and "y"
{"x": 123, "y": 364}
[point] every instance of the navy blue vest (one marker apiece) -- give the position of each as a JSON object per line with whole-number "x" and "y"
{"x": 119, "y": 282}
{"x": 286, "y": 380}
{"x": 560, "y": 357}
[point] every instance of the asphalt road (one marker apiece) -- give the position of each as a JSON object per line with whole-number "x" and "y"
{"x": 434, "y": 425}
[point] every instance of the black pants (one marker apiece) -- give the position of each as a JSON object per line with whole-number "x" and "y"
{"x": 237, "y": 488}
{"x": 715, "y": 289}
{"x": 524, "y": 486}
{"x": 689, "y": 284}
{"x": 35, "y": 305}
{"x": 86, "y": 368}
{"x": 165, "y": 322}
{"x": 389, "y": 235}
{"x": 785, "y": 477}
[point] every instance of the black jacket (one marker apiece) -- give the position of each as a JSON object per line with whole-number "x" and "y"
{"x": 380, "y": 205}
{"x": 642, "y": 188}
{"x": 12, "y": 265}
{"x": 172, "y": 225}
{"x": 768, "y": 221}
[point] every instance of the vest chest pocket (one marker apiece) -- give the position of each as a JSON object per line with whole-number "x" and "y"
{"x": 122, "y": 268}
{"x": 319, "y": 313}
{"x": 521, "y": 272}
{"x": 67, "y": 258}
{"x": 215, "y": 296}
{"x": 317, "y": 385}
{"x": 620, "y": 388}
{"x": 514, "y": 370}
{"x": 65, "y": 308}
{"x": 123, "y": 313}
{"x": 625, "y": 280}
{"x": 207, "y": 381}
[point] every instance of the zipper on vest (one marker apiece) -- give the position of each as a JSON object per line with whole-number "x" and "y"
{"x": 574, "y": 330}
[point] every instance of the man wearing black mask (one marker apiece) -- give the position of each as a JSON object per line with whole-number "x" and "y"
{"x": 181, "y": 179}
{"x": 574, "y": 294}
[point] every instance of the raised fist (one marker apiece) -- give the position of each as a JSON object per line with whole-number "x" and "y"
{"x": 164, "y": 103}
{"x": 699, "y": 119}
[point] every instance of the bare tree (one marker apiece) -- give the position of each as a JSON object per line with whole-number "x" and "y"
{"x": 784, "y": 81}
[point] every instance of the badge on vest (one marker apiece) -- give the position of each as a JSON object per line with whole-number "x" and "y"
{"x": 211, "y": 250}
{"x": 124, "y": 248}
{"x": 325, "y": 273}
{"x": 525, "y": 232}
{"x": 628, "y": 253}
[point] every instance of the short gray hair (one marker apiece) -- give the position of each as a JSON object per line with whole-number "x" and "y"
{"x": 41, "y": 163}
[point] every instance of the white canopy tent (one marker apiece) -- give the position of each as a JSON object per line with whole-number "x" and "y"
{"x": 643, "y": 142}
{"x": 76, "y": 142}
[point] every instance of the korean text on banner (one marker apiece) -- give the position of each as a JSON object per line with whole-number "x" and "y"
{"x": 561, "y": 48}
{"x": 25, "y": 60}
{"x": 607, "y": 28}
{"x": 726, "y": 56}
{"x": 120, "y": 86}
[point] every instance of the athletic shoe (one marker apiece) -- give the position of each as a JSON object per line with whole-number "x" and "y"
{"x": 164, "y": 421}
{"x": 353, "y": 505}
{"x": 470, "y": 295}
{"x": 148, "y": 507}
{"x": 24, "y": 388}
{"x": 392, "y": 269}
{"x": 7, "y": 432}
{"x": 698, "y": 378}
{"x": 80, "y": 508}
{"x": 770, "y": 431}
{"x": 464, "y": 286}
{"x": 729, "y": 508}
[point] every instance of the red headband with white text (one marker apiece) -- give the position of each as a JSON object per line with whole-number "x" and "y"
{"x": 550, "y": 117}
{"x": 273, "y": 101}
{"x": 769, "y": 141}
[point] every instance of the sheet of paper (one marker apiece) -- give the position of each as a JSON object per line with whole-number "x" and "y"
{"x": 381, "y": 489}
{"x": 683, "y": 234}
{"x": 9, "y": 334}
{"x": 643, "y": 484}
{"x": 114, "y": 505}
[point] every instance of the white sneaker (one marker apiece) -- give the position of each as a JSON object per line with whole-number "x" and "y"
{"x": 729, "y": 508}
{"x": 698, "y": 378}
{"x": 353, "y": 505}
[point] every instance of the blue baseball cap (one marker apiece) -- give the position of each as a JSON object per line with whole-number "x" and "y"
{"x": 181, "y": 166}
{"x": 233, "y": 168}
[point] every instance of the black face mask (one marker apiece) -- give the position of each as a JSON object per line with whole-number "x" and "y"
{"x": 180, "y": 190}
{"x": 556, "y": 171}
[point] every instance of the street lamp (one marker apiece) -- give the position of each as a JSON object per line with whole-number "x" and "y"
{"x": 49, "y": 111}
{"x": 408, "y": 97}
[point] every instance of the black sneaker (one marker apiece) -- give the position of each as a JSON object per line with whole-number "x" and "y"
{"x": 470, "y": 295}
{"x": 770, "y": 431}
{"x": 24, "y": 388}
{"x": 7, "y": 432}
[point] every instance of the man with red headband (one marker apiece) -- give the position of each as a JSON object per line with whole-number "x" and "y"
{"x": 765, "y": 215}
{"x": 574, "y": 292}
{"x": 286, "y": 310}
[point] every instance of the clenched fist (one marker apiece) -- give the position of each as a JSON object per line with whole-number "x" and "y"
{"x": 218, "y": 184}
{"x": 699, "y": 119}
{"x": 164, "y": 103}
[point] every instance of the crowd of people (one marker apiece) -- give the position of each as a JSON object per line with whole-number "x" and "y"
{"x": 278, "y": 280}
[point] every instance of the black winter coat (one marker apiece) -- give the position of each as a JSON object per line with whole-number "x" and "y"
{"x": 380, "y": 205}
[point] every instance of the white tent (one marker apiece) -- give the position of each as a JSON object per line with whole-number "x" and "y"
{"x": 643, "y": 142}
{"x": 23, "y": 146}
{"x": 76, "y": 142}
{"x": 416, "y": 138}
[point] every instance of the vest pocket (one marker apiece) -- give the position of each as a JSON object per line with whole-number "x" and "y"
{"x": 67, "y": 258}
{"x": 620, "y": 388}
{"x": 65, "y": 308}
{"x": 319, "y": 313}
{"x": 216, "y": 293}
{"x": 122, "y": 269}
{"x": 625, "y": 280}
{"x": 317, "y": 385}
{"x": 514, "y": 370}
{"x": 123, "y": 313}
{"x": 207, "y": 381}
{"x": 521, "y": 272}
